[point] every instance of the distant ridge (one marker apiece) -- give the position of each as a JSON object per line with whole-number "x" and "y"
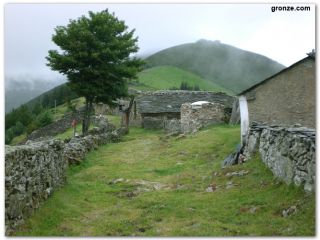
{"x": 230, "y": 67}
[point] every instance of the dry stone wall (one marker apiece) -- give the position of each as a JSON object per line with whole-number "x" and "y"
{"x": 194, "y": 117}
{"x": 33, "y": 171}
{"x": 288, "y": 151}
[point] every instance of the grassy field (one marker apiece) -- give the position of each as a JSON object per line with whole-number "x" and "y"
{"x": 166, "y": 77}
{"x": 153, "y": 185}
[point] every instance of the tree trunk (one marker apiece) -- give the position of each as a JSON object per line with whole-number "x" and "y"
{"x": 86, "y": 116}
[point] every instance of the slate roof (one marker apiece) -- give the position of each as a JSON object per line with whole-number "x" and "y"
{"x": 171, "y": 101}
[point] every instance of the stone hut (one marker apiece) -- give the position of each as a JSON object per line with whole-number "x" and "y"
{"x": 286, "y": 98}
{"x": 162, "y": 107}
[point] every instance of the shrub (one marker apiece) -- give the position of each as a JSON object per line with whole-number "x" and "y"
{"x": 44, "y": 118}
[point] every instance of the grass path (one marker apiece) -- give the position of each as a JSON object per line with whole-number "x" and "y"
{"x": 149, "y": 185}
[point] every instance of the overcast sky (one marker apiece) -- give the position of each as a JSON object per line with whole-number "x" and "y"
{"x": 285, "y": 37}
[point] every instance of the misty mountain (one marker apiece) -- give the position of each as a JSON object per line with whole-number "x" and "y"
{"x": 225, "y": 65}
{"x": 20, "y": 90}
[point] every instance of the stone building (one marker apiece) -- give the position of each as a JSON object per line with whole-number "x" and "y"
{"x": 162, "y": 107}
{"x": 286, "y": 98}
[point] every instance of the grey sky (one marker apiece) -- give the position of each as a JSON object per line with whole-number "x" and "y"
{"x": 282, "y": 36}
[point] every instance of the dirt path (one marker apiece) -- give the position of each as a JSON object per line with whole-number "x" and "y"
{"x": 150, "y": 185}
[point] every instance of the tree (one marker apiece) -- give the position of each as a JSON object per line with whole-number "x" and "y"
{"x": 96, "y": 58}
{"x": 37, "y": 108}
{"x": 44, "y": 118}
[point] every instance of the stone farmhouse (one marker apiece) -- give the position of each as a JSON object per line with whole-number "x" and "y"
{"x": 286, "y": 98}
{"x": 278, "y": 122}
{"x": 160, "y": 107}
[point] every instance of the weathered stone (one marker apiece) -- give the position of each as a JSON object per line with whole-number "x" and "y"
{"x": 287, "y": 212}
{"x": 196, "y": 116}
{"x": 233, "y": 158}
{"x": 172, "y": 126}
{"x": 35, "y": 170}
{"x": 158, "y": 107}
{"x": 288, "y": 152}
{"x": 40, "y": 165}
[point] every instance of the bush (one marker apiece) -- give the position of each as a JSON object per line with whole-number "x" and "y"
{"x": 31, "y": 127}
{"x": 44, "y": 118}
{"x": 9, "y": 136}
{"x": 18, "y": 128}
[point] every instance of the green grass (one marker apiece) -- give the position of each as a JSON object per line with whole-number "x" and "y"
{"x": 18, "y": 139}
{"x": 63, "y": 108}
{"x": 69, "y": 132}
{"x": 166, "y": 77}
{"x": 115, "y": 120}
{"x": 89, "y": 205}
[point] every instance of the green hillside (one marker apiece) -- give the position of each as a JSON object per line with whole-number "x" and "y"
{"x": 222, "y": 64}
{"x": 169, "y": 77}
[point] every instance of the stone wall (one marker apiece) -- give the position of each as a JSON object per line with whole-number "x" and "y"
{"x": 194, "y": 117}
{"x": 172, "y": 126}
{"x": 287, "y": 98}
{"x": 33, "y": 171}
{"x": 56, "y": 127}
{"x": 288, "y": 152}
{"x": 158, "y": 120}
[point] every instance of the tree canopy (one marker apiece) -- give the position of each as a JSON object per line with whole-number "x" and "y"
{"x": 96, "y": 56}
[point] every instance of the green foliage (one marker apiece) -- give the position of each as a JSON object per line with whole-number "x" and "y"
{"x": 44, "y": 119}
{"x": 32, "y": 126}
{"x": 9, "y": 135}
{"x": 90, "y": 205}
{"x": 222, "y": 64}
{"x": 24, "y": 115}
{"x": 37, "y": 108}
{"x": 18, "y": 128}
{"x": 185, "y": 86}
{"x": 96, "y": 56}
{"x": 71, "y": 107}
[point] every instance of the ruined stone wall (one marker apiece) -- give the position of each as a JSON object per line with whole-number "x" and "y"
{"x": 33, "y": 171}
{"x": 56, "y": 127}
{"x": 195, "y": 117}
{"x": 288, "y": 152}
{"x": 172, "y": 126}
{"x": 157, "y": 120}
{"x": 288, "y": 98}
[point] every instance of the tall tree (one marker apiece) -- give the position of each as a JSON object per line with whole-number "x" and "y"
{"x": 96, "y": 58}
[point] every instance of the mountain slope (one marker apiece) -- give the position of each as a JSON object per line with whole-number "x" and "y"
{"x": 168, "y": 77}
{"x": 224, "y": 65}
{"x": 19, "y": 90}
